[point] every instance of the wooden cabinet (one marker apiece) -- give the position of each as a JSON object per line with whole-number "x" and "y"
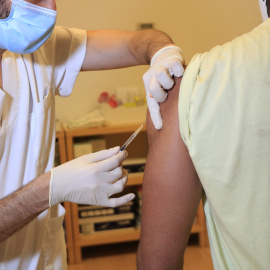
{"x": 114, "y": 135}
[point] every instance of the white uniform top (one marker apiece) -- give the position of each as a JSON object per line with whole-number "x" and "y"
{"x": 27, "y": 140}
{"x": 224, "y": 112}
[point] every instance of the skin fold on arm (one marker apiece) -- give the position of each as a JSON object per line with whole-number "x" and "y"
{"x": 171, "y": 193}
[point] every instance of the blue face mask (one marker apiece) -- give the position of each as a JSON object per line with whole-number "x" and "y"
{"x": 27, "y": 27}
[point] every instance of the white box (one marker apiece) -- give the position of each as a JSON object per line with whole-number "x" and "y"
{"x": 82, "y": 148}
{"x": 90, "y": 146}
{"x": 98, "y": 144}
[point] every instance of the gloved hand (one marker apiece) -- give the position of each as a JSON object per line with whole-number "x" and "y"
{"x": 166, "y": 63}
{"x": 90, "y": 179}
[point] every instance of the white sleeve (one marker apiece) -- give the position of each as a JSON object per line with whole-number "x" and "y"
{"x": 64, "y": 52}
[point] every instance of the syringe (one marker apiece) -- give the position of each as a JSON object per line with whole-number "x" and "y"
{"x": 131, "y": 138}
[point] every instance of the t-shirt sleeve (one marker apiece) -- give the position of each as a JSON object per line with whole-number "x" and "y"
{"x": 64, "y": 53}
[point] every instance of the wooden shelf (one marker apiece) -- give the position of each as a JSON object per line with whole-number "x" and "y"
{"x": 134, "y": 179}
{"x": 129, "y": 234}
{"x": 197, "y": 228}
{"x": 103, "y": 130}
{"x": 118, "y": 236}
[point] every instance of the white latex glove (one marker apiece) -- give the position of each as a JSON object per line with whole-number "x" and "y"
{"x": 165, "y": 64}
{"x": 90, "y": 179}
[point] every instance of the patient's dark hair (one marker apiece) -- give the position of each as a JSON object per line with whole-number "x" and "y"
{"x": 268, "y": 7}
{"x": 4, "y": 8}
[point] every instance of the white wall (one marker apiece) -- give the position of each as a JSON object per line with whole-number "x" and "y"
{"x": 194, "y": 25}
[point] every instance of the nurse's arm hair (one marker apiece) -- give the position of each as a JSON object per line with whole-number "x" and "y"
{"x": 110, "y": 49}
{"x": 171, "y": 193}
{"x": 22, "y": 206}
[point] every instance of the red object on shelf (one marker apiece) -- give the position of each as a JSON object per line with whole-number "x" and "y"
{"x": 112, "y": 102}
{"x": 103, "y": 97}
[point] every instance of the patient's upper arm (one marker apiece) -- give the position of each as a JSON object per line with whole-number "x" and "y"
{"x": 171, "y": 192}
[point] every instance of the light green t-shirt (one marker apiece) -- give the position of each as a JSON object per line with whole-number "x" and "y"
{"x": 224, "y": 114}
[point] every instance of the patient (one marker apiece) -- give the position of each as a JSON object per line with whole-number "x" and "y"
{"x": 214, "y": 145}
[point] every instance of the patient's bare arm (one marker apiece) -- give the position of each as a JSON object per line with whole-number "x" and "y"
{"x": 171, "y": 193}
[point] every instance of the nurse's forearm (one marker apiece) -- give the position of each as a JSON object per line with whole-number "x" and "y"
{"x": 22, "y": 206}
{"x": 110, "y": 49}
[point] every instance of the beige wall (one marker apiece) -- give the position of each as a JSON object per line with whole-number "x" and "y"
{"x": 194, "y": 25}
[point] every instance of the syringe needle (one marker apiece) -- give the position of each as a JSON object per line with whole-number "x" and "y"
{"x": 131, "y": 138}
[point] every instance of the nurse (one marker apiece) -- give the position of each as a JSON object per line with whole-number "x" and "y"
{"x": 39, "y": 61}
